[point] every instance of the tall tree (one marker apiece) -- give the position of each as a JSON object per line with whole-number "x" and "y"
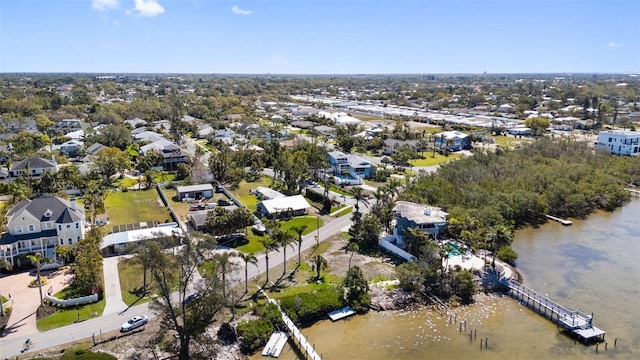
{"x": 357, "y": 287}
{"x": 352, "y": 247}
{"x": 269, "y": 244}
{"x": 64, "y": 252}
{"x": 223, "y": 259}
{"x": 360, "y": 197}
{"x": 248, "y": 258}
{"x": 179, "y": 272}
{"x": 110, "y": 161}
{"x": 320, "y": 264}
{"x": 37, "y": 260}
{"x": 89, "y": 263}
{"x": 299, "y": 230}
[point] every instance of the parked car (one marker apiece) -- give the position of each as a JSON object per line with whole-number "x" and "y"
{"x": 134, "y": 322}
{"x": 219, "y": 188}
{"x": 224, "y": 202}
{"x": 190, "y": 298}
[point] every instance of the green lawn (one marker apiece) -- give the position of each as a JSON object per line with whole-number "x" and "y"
{"x": 247, "y": 199}
{"x": 130, "y": 273}
{"x": 135, "y": 206}
{"x": 339, "y": 190}
{"x": 68, "y": 316}
{"x": 507, "y": 141}
{"x": 347, "y": 210}
{"x": 254, "y": 245}
{"x": 124, "y": 183}
{"x": 429, "y": 161}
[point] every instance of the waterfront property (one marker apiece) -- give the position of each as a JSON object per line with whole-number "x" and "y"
{"x": 421, "y": 217}
{"x": 619, "y": 142}
{"x": 349, "y": 169}
{"x": 576, "y": 322}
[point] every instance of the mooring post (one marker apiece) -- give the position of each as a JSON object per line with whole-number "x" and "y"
{"x": 597, "y": 347}
{"x": 486, "y": 343}
{"x": 606, "y": 345}
{"x": 456, "y": 318}
{"x": 465, "y": 325}
{"x": 615, "y": 342}
{"x": 475, "y": 333}
{"x": 460, "y": 326}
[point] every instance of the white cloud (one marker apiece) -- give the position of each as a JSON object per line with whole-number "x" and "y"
{"x": 612, "y": 44}
{"x": 236, "y": 10}
{"x": 102, "y": 5}
{"x": 148, "y": 8}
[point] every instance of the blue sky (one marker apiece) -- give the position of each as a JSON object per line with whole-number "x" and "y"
{"x": 320, "y": 36}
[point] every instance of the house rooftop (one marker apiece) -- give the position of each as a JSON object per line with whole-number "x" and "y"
{"x": 34, "y": 163}
{"x": 419, "y": 213}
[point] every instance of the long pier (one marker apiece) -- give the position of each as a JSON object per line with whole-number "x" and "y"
{"x": 576, "y": 322}
{"x": 303, "y": 345}
{"x": 561, "y": 221}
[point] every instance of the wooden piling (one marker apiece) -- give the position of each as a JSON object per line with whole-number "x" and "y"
{"x": 475, "y": 333}
{"x": 597, "y": 347}
{"x": 615, "y": 342}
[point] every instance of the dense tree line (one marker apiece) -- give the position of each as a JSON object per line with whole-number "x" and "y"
{"x": 511, "y": 188}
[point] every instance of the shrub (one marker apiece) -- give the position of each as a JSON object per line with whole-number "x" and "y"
{"x": 309, "y": 307}
{"x": 34, "y": 283}
{"x": 254, "y": 334}
{"x": 85, "y": 354}
{"x": 507, "y": 254}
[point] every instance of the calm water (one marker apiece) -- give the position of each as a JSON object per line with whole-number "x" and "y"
{"x": 593, "y": 266}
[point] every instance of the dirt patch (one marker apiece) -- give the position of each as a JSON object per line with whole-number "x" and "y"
{"x": 374, "y": 268}
{"x": 44, "y": 311}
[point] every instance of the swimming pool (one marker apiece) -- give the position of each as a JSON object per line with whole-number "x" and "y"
{"x": 454, "y": 249}
{"x": 346, "y": 177}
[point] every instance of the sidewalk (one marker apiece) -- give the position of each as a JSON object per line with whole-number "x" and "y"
{"x": 112, "y": 293}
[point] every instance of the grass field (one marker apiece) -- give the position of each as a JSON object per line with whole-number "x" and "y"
{"x": 243, "y": 192}
{"x": 68, "y": 316}
{"x": 507, "y": 141}
{"x": 343, "y": 212}
{"x": 135, "y": 206}
{"x": 429, "y": 161}
{"x": 130, "y": 273}
{"x": 254, "y": 245}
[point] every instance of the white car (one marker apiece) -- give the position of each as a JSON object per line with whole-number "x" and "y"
{"x": 134, "y": 322}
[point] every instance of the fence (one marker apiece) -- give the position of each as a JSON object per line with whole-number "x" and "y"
{"x": 396, "y": 250}
{"x": 7, "y": 304}
{"x": 72, "y": 302}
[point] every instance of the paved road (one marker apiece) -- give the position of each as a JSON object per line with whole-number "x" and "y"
{"x": 113, "y": 320}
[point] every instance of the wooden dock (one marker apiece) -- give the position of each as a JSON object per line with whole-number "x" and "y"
{"x": 576, "y": 322}
{"x": 634, "y": 192}
{"x": 341, "y": 313}
{"x": 561, "y": 221}
{"x": 305, "y": 347}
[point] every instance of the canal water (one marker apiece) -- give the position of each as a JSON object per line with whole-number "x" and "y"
{"x": 593, "y": 266}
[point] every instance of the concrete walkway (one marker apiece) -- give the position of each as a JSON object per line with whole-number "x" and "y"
{"x": 26, "y": 300}
{"x": 112, "y": 293}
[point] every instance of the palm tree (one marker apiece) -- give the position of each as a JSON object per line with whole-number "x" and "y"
{"x": 38, "y": 259}
{"x": 284, "y": 239}
{"x": 353, "y": 247}
{"x": 269, "y": 244}
{"x": 249, "y": 258}
{"x": 299, "y": 230}
{"x": 224, "y": 259}
{"x": 360, "y": 196}
{"x": 320, "y": 264}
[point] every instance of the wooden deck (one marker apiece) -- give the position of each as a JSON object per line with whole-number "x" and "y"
{"x": 634, "y": 192}
{"x": 576, "y": 322}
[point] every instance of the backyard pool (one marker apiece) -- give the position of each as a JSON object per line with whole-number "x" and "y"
{"x": 453, "y": 249}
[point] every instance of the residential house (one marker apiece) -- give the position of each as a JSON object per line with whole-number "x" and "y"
{"x": 199, "y": 191}
{"x": 350, "y": 169}
{"x": 452, "y": 140}
{"x": 619, "y": 142}
{"x": 429, "y": 219}
{"x": 33, "y": 166}
{"x": 41, "y": 224}
{"x": 265, "y": 193}
{"x": 390, "y": 145}
{"x": 66, "y": 126}
{"x": 171, "y": 153}
{"x": 135, "y": 123}
{"x": 116, "y": 243}
{"x": 284, "y": 206}
{"x": 95, "y": 148}
{"x": 71, "y": 148}
{"x": 326, "y": 130}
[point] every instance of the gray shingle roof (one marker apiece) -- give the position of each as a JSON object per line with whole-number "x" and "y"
{"x": 34, "y": 163}
{"x": 60, "y": 209}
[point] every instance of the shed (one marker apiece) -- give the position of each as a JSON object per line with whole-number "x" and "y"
{"x": 195, "y": 191}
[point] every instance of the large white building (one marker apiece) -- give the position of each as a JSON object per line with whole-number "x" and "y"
{"x": 619, "y": 142}
{"x": 41, "y": 224}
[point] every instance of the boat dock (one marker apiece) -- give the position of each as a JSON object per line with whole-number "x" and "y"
{"x": 299, "y": 340}
{"x": 576, "y": 322}
{"x": 561, "y": 221}
{"x": 341, "y": 313}
{"x": 634, "y": 192}
{"x": 275, "y": 344}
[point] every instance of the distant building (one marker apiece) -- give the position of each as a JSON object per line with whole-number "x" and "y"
{"x": 452, "y": 140}
{"x": 41, "y": 224}
{"x": 195, "y": 191}
{"x": 33, "y": 166}
{"x": 429, "y": 219}
{"x": 619, "y": 142}
{"x": 390, "y": 145}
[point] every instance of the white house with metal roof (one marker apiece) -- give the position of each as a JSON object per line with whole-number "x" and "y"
{"x": 284, "y": 206}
